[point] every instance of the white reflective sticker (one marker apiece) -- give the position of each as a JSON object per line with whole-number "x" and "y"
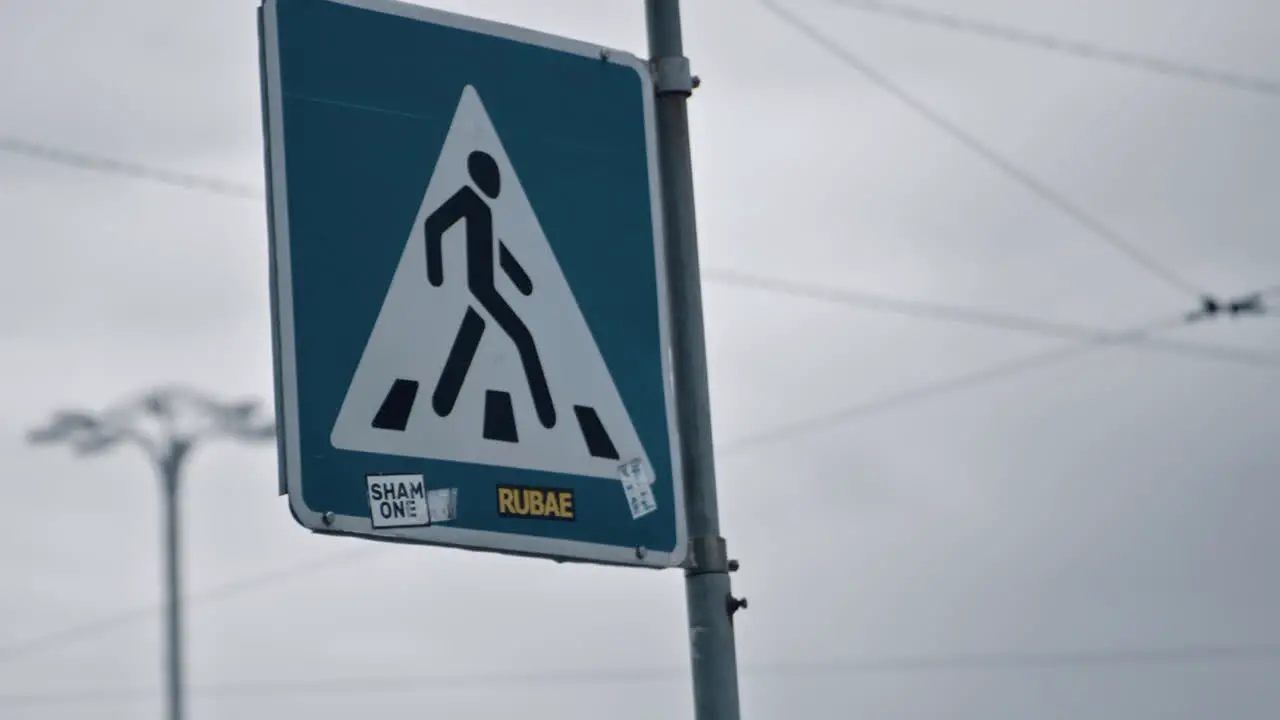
{"x": 442, "y": 504}
{"x": 637, "y": 484}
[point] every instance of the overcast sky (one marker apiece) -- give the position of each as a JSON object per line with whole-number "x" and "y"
{"x": 1122, "y": 499}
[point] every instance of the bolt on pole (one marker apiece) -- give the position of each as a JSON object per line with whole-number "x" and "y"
{"x": 708, "y": 594}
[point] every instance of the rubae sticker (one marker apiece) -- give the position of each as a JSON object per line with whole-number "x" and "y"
{"x": 532, "y": 502}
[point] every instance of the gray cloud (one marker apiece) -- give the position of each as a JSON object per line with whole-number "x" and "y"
{"x": 1112, "y": 501}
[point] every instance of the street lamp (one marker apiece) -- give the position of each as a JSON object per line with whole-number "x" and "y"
{"x": 167, "y": 424}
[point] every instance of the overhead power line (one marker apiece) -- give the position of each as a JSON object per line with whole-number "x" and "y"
{"x": 100, "y": 164}
{"x": 1000, "y": 371}
{"x": 1076, "y": 48}
{"x": 985, "y": 151}
{"x": 983, "y": 318}
{"x": 1024, "y": 661}
{"x": 204, "y": 183}
{"x": 1092, "y": 339}
{"x": 951, "y": 313}
{"x": 1099, "y": 339}
{"x": 942, "y": 387}
{"x": 25, "y": 649}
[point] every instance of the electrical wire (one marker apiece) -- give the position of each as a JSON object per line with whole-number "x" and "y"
{"x": 1094, "y": 340}
{"x": 1094, "y": 337}
{"x": 100, "y": 164}
{"x": 959, "y": 662}
{"x": 25, "y": 649}
{"x": 1052, "y": 43}
{"x": 985, "y": 151}
{"x": 944, "y": 312}
{"x": 951, "y": 313}
{"x": 942, "y": 387}
{"x": 980, "y": 318}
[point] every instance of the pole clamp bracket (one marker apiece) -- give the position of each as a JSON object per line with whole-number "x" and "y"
{"x": 708, "y": 554}
{"x": 671, "y": 75}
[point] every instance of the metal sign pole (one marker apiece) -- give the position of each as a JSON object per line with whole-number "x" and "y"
{"x": 170, "y": 479}
{"x": 707, "y": 587}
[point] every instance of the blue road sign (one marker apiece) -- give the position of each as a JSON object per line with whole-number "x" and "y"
{"x": 469, "y": 296}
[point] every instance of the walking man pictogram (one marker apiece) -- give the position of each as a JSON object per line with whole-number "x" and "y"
{"x": 484, "y": 253}
{"x": 468, "y": 205}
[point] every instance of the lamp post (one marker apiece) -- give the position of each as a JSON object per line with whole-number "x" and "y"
{"x": 167, "y": 424}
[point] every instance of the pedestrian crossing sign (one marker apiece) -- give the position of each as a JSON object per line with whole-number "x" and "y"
{"x": 469, "y": 290}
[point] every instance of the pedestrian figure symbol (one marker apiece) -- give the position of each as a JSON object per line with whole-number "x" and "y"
{"x": 478, "y": 285}
{"x": 468, "y": 206}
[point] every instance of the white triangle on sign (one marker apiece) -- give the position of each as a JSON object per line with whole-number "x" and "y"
{"x": 397, "y": 402}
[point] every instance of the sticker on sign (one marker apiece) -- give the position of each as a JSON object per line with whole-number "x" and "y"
{"x": 404, "y": 501}
{"x": 637, "y": 484}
